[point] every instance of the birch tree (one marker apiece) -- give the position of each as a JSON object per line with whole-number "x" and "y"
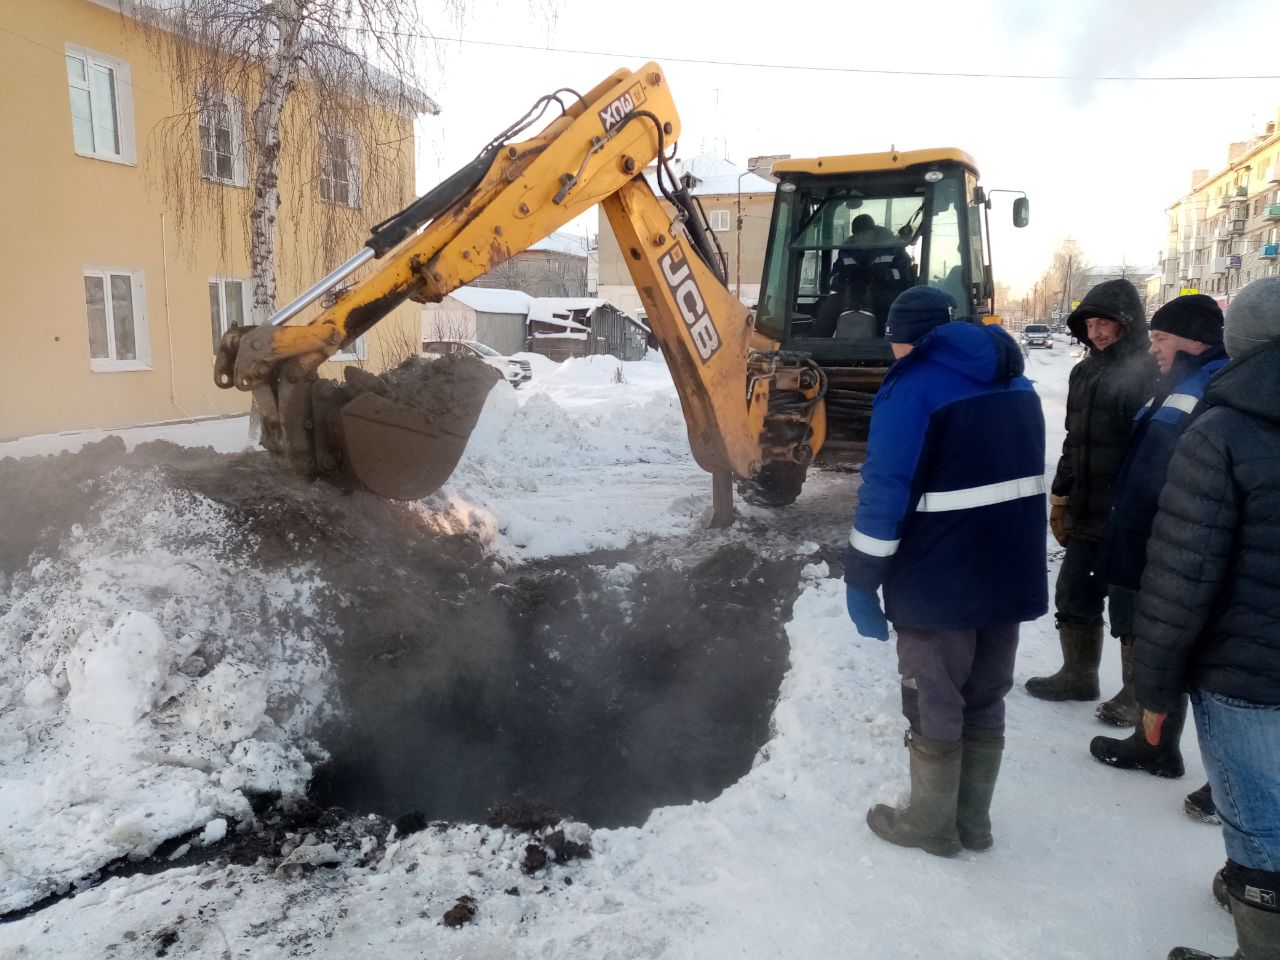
{"x": 323, "y": 90}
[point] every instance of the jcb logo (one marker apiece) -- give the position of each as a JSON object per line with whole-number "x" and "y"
{"x": 612, "y": 115}
{"x": 679, "y": 277}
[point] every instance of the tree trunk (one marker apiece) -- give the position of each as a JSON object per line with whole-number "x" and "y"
{"x": 278, "y": 78}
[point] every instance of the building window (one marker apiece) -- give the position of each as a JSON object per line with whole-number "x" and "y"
{"x": 222, "y": 140}
{"x": 226, "y": 307}
{"x": 719, "y": 220}
{"x": 116, "y": 305}
{"x": 101, "y": 105}
{"x": 340, "y": 170}
{"x": 355, "y": 352}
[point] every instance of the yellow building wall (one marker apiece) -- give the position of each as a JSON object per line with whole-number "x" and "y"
{"x": 64, "y": 213}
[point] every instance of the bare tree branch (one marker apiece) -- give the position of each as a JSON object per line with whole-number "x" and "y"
{"x": 318, "y": 98}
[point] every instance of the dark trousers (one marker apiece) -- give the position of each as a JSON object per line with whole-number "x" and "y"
{"x": 1079, "y": 595}
{"x": 952, "y": 679}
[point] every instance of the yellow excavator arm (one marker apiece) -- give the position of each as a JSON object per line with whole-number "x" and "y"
{"x": 748, "y": 406}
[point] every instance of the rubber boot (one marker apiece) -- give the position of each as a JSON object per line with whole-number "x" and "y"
{"x": 1134, "y": 753}
{"x": 1254, "y": 908}
{"x": 1219, "y": 888}
{"x": 1081, "y": 654}
{"x": 1199, "y": 805}
{"x": 928, "y": 821}
{"x": 1122, "y": 709}
{"x": 980, "y": 755}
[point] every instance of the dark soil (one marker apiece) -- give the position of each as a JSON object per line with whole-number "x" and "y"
{"x": 469, "y": 693}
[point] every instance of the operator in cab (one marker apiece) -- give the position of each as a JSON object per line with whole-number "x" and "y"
{"x": 870, "y": 270}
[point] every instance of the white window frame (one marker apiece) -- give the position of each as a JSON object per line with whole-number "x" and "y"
{"x": 353, "y": 169}
{"x": 128, "y": 154}
{"x": 235, "y": 111}
{"x": 141, "y": 333}
{"x": 220, "y": 283}
{"x": 718, "y": 220}
{"x": 356, "y": 352}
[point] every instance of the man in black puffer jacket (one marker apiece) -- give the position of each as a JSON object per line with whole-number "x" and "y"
{"x": 1209, "y": 609}
{"x": 1107, "y": 389}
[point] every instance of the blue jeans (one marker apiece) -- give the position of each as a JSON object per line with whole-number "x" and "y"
{"x": 1240, "y": 745}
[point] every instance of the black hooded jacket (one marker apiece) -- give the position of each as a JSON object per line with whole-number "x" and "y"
{"x": 1106, "y": 390}
{"x": 1209, "y": 608}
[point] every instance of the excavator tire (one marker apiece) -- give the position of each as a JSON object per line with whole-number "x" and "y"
{"x": 776, "y": 485}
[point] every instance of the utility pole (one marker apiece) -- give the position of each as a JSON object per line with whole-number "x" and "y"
{"x": 737, "y": 241}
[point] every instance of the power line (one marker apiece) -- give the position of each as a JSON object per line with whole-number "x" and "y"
{"x": 876, "y": 71}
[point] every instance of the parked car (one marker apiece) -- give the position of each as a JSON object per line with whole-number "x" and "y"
{"x": 515, "y": 371}
{"x": 1037, "y": 335}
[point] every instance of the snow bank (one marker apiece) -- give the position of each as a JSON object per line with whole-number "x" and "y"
{"x": 153, "y": 673}
{"x": 575, "y": 462}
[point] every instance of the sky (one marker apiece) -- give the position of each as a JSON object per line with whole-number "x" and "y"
{"x": 1101, "y": 160}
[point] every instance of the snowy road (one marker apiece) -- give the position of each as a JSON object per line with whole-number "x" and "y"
{"x": 1089, "y": 862}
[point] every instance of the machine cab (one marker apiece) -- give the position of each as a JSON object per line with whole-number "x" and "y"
{"x": 851, "y": 233}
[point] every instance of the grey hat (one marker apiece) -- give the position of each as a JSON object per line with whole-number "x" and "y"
{"x": 1253, "y": 317}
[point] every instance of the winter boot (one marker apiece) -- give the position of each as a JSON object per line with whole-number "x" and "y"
{"x": 1254, "y": 908}
{"x": 1220, "y": 894}
{"x": 980, "y": 754}
{"x": 928, "y": 821}
{"x": 1199, "y": 805}
{"x": 1122, "y": 709}
{"x": 1134, "y": 753}
{"x": 1081, "y": 654}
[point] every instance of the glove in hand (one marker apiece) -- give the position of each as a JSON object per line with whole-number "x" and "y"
{"x": 1152, "y": 723}
{"x": 1058, "y": 520}
{"x": 865, "y": 612}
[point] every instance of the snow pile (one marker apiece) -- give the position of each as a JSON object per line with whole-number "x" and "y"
{"x": 153, "y": 674}
{"x": 579, "y": 459}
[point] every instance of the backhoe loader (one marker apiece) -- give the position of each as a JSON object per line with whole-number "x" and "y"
{"x": 762, "y": 393}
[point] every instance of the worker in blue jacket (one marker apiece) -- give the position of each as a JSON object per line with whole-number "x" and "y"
{"x": 1186, "y": 340}
{"x": 950, "y": 522}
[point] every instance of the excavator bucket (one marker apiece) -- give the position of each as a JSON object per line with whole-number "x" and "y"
{"x": 402, "y": 434}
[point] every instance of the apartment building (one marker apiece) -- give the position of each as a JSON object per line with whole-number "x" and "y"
{"x": 1225, "y": 232}
{"x": 113, "y": 313}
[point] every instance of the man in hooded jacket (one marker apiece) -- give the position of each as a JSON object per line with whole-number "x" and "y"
{"x": 1209, "y": 610}
{"x": 1106, "y": 390}
{"x": 950, "y": 520}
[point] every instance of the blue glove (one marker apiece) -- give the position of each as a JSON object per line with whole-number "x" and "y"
{"x": 865, "y": 612}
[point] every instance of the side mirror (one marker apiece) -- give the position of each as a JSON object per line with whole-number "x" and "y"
{"x": 1021, "y": 212}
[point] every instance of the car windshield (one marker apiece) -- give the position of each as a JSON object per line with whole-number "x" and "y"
{"x": 1037, "y": 329}
{"x": 483, "y": 349}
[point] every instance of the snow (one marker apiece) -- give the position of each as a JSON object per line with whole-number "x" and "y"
{"x": 494, "y": 300}
{"x": 1089, "y": 862}
{"x": 562, "y": 241}
{"x": 714, "y": 176}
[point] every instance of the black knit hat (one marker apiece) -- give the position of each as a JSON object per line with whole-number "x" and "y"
{"x": 917, "y": 311}
{"x": 1194, "y": 316}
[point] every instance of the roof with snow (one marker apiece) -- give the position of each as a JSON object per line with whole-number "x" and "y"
{"x": 494, "y": 300}
{"x": 710, "y": 175}
{"x": 545, "y": 309}
{"x": 561, "y": 241}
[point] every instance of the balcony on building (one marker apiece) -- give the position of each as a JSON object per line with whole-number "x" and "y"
{"x": 1220, "y": 265}
{"x": 1242, "y": 191}
{"x": 1195, "y": 271}
{"x": 1271, "y": 211}
{"x": 1269, "y": 251}
{"x": 1273, "y": 173}
{"x": 1236, "y": 226}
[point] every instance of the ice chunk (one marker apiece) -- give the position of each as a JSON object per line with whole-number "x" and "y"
{"x": 116, "y": 672}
